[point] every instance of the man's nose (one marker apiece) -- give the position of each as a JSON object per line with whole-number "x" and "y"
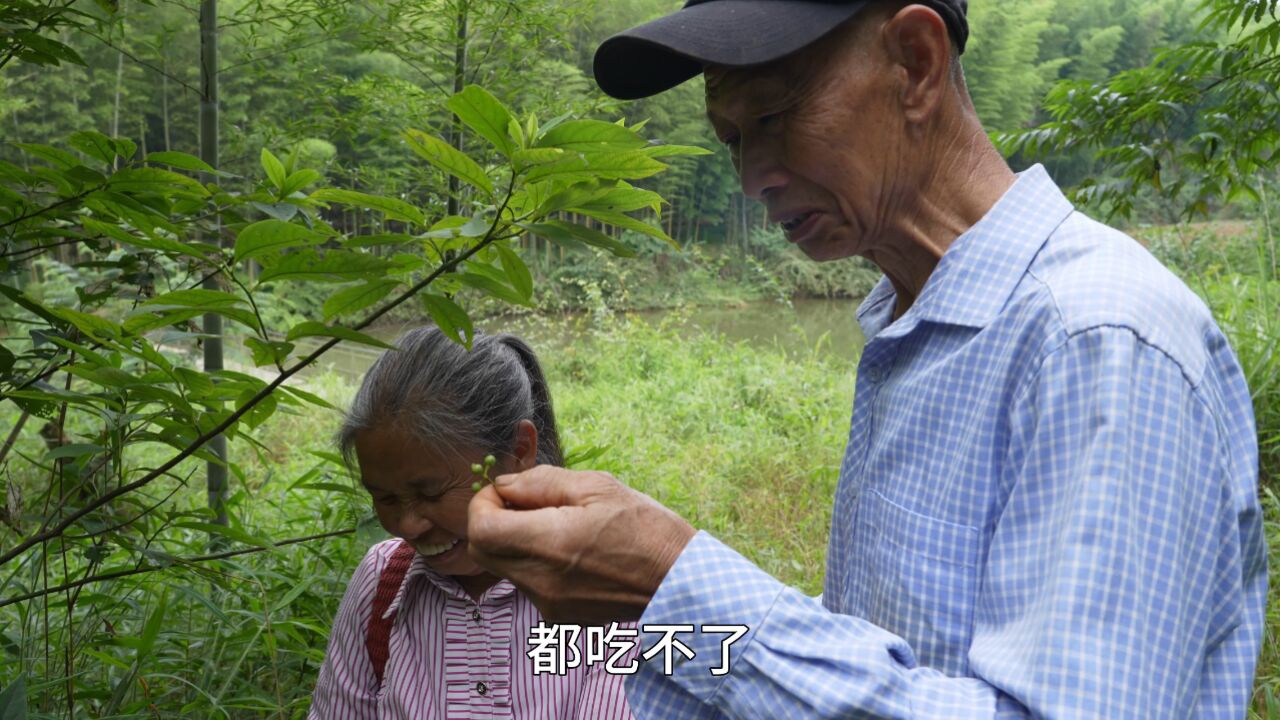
{"x": 760, "y": 169}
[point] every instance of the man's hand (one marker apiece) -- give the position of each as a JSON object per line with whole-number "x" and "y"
{"x": 584, "y": 547}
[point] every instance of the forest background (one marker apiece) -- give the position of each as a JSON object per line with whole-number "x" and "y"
{"x": 187, "y": 598}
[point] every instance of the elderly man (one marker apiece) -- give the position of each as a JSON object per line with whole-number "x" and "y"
{"x": 1047, "y": 506}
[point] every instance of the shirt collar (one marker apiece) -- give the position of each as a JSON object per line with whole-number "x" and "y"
{"x": 978, "y": 272}
{"x": 418, "y": 568}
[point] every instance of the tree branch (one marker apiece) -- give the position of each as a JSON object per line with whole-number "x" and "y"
{"x": 64, "y": 201}
{"x": 177, "y": 561}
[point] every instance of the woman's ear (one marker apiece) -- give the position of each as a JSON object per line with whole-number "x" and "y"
{"x": 526, "y": 447}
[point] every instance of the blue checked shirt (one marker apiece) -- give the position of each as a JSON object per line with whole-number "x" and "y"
{"x": 1047, "y": 507}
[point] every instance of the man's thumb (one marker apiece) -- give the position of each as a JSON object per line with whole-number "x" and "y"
{"x": 543, "y": 486}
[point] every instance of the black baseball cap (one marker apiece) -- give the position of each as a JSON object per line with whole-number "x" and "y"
{"x": 663, "y": 53}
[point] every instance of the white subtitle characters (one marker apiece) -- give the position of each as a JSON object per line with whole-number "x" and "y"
{"x": 735, "y": 633}
{"x": 667, "y": 643}
{"x": 554, "y": 648}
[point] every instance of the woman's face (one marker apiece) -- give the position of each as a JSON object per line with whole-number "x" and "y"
{"x": 421, "y": 493}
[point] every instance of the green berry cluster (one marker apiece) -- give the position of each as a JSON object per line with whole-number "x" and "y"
{"x": 482, "y": 472}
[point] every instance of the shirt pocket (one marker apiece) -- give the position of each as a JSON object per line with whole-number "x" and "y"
{"x": 923, "y": 580}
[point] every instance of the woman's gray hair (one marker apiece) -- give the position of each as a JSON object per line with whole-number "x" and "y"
{"x": 440, "y": 393}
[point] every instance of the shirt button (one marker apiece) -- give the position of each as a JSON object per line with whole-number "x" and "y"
{"x": 475, "y": 615}
{"x": 482, "y": 688}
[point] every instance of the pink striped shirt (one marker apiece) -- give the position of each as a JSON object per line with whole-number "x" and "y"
{"x": 451, "y": 658}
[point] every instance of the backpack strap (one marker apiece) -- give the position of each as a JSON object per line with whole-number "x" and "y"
{"x": 378, "y": 634}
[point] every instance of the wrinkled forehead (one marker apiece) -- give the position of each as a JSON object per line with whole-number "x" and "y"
{"x": 757, "y": 86}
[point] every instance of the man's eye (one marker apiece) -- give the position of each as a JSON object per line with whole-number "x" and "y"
{"x": 385, "y": 499}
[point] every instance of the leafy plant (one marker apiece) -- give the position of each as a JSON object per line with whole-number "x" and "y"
{"x": 124, "y": 413}
{"x": 1199, "y": 125}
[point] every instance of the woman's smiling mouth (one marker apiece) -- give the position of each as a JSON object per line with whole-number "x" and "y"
{"x": 431, "y": 550}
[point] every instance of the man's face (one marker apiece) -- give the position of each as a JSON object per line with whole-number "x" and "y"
{"x": 814, "y": 137}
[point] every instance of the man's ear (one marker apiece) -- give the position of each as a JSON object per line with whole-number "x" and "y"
{"x": 917, "y": 41}
{"x": 526, "y": 446}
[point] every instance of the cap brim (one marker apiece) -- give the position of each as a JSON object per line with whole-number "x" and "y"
{"x": 661, "y": 54}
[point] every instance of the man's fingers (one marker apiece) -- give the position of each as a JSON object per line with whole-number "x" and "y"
{"x": 542, "y": 487}
{"x": 496, "y": 530}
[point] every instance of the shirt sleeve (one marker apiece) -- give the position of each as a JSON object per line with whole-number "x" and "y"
{"x": 1125, "y": 576}
{"x": 347, "y": 688}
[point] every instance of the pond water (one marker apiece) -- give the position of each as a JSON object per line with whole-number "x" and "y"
{"x": 826, "y": 327}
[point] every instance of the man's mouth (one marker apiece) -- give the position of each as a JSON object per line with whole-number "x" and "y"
{"x": 429, "y": 550}
{"x": 796, "y": 221}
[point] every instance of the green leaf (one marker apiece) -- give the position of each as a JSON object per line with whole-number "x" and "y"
{"x": 621, "y": 199}
{"x": 577, "y": 457}
{"x": 7, "y": 360}
{"x": 392, "y": 208}
{"x": 308, "y": 397}
{"x": 559, "y": 231}
{"x": 611, "y": 165}
{"x": 287, "y": 599}
{"x": 57, "y": 157}
{"x": 590, "y": 135}
{"x": 311, "y": 328}
{"x": 357, "y": 297}
{"x": 273, "y": 167}
{"x": 226, "y": 531}
{"x": 73, "y": 450}
{"x": 197, "y": 384}
{"x": 537, "y": 156}
{"x": 484, "y": 114}
{"x": 151, "y": 630}
{"x": 267, "y": 352}
{"x": 180, "y": 160}
{"x": 107, "y": 377}
{"x": 13, "y": 700}
{"x": 517, "y": 272}
{"x": 27, "y": 303}
{"x": 91, "y": 325}
{"x": 493, "y": 286}
{"x": 380, "y": 239}
{"x": 298, "y": 180}
{"x": 627, "y": 222}
{"x": 450, "y": 318}
{"x": 208, "y": 300}
{"x": 94, "y": 144}
{"x": 267, "y": 236}
{"x": 328, "y": 487}
{"x": 656, "y": 151}
{"x": 154, "y": 180}
{"x": 442, "y": 155}
{"x": 261, "y": 411}
{"x": 159, "y": 244}
{"x": 333, "y": 266}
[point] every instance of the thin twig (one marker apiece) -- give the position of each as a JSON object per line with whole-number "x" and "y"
{"x": 13, "y": 434}
{"x": 65, "y": 201}
{"x": 142, "y": 62}
{"x": 176, "y": 562}
{"x": 38, "y": 248}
